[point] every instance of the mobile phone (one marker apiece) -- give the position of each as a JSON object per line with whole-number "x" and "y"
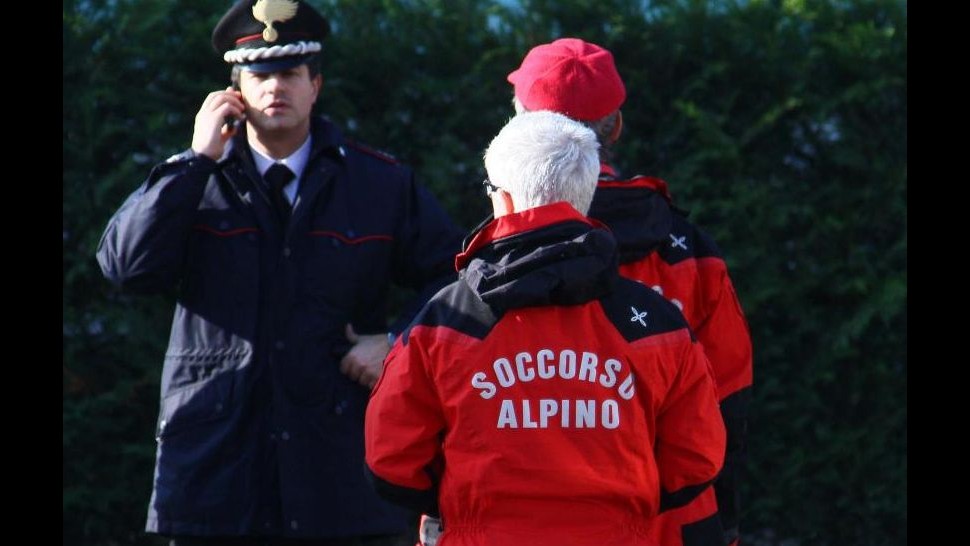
{"x": 231, "y": 122}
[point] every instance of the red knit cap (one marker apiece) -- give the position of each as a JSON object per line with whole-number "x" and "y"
{"x": 569, "y": 76}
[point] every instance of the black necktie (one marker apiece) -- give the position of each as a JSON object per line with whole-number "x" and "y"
{"x": 278, "y": 176}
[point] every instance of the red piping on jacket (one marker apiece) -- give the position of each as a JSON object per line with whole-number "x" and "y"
{"x": 349, "y": 241}
{"x": 230, "y": 233}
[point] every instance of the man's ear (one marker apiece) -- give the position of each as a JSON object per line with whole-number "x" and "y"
{"x": 617, "y": 127}
{"x": 318, "y": 84}
{"x": 502, "y": 203}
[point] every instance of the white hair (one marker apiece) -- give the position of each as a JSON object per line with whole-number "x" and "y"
{"x": 605, "y": 128}
{"x": 517, "y": 104}
{"x": 542, "y": 157}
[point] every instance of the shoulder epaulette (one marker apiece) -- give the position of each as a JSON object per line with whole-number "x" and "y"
{"x": 372, "y": 152}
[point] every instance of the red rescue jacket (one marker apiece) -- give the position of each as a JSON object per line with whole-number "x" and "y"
{"x": 542, "y": 399}
{"x": 662, "y": 249}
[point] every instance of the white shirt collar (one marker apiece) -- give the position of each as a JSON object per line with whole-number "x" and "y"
{"x": 296, "y": 162}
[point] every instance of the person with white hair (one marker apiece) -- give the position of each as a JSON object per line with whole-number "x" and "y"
{"x": 541, "y": 398}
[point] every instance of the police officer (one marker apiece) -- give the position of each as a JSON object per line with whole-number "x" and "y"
{"x": 282, "y": 238}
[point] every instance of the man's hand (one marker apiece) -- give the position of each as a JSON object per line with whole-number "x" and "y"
{"x": 365, "y": 360}
{"x": 211, "y": 134}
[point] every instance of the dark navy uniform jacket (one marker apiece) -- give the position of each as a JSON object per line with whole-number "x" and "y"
{"x": 259, "y": 432}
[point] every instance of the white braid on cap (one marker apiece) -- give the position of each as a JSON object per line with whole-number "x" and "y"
{"x": 259, "y": 53}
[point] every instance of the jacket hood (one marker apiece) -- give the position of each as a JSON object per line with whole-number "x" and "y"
{"x": 638, "y": 212}
{"x": 548, "y": 255}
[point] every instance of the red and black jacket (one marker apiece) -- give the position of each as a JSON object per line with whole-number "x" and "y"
{"x": 659, "y": 247}
{"x": 542, "y": 398}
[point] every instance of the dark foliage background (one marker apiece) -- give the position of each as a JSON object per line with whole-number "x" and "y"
{"x": 780, "y": 124}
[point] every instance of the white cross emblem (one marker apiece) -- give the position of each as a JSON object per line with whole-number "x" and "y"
{"x": 638, "y": 316}
{"x": 678, "y": 241}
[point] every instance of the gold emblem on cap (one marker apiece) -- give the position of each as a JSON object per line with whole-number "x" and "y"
{"x": 273, "y": 11}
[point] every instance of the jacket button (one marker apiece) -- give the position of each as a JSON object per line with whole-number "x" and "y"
{"x": 287, "y": 252}
{"x": 294, "y": 525}
{"x": 285, "y": 435}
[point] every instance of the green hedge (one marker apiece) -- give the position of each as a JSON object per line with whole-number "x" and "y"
{"x": 780, "y": 125}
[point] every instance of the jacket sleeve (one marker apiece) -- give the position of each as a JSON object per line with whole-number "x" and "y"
{"x": 403, "y": 430}
{"x": 727, "y": 343}
{"x": 142, "y": 247}
{"x": 690, "y": 438}
{"x": 425, "y": 258}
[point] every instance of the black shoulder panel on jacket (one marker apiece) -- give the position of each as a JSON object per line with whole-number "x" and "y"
{"x": 639, "y": 312}
{"x": 640, "y": 219}
{"x": 686, "y": 241}
{"x": 457, "y": 307}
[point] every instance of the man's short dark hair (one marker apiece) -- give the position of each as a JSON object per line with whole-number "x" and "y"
{"x": 604, "y": 129}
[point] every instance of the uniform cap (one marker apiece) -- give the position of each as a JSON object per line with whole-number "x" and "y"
{"x": 269, "y": 35}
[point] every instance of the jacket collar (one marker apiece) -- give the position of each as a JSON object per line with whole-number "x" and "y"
{"x": 550, "y": 255}
{"x": 609, "y": 178}
{"x": 520, "y": 222}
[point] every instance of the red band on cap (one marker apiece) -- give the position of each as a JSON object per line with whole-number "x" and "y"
{"x": 249, "y": 38}
{"x": 289, "y": 37}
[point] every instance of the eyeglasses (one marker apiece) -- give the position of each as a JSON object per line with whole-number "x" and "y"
{"x": 489, "y": 187}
